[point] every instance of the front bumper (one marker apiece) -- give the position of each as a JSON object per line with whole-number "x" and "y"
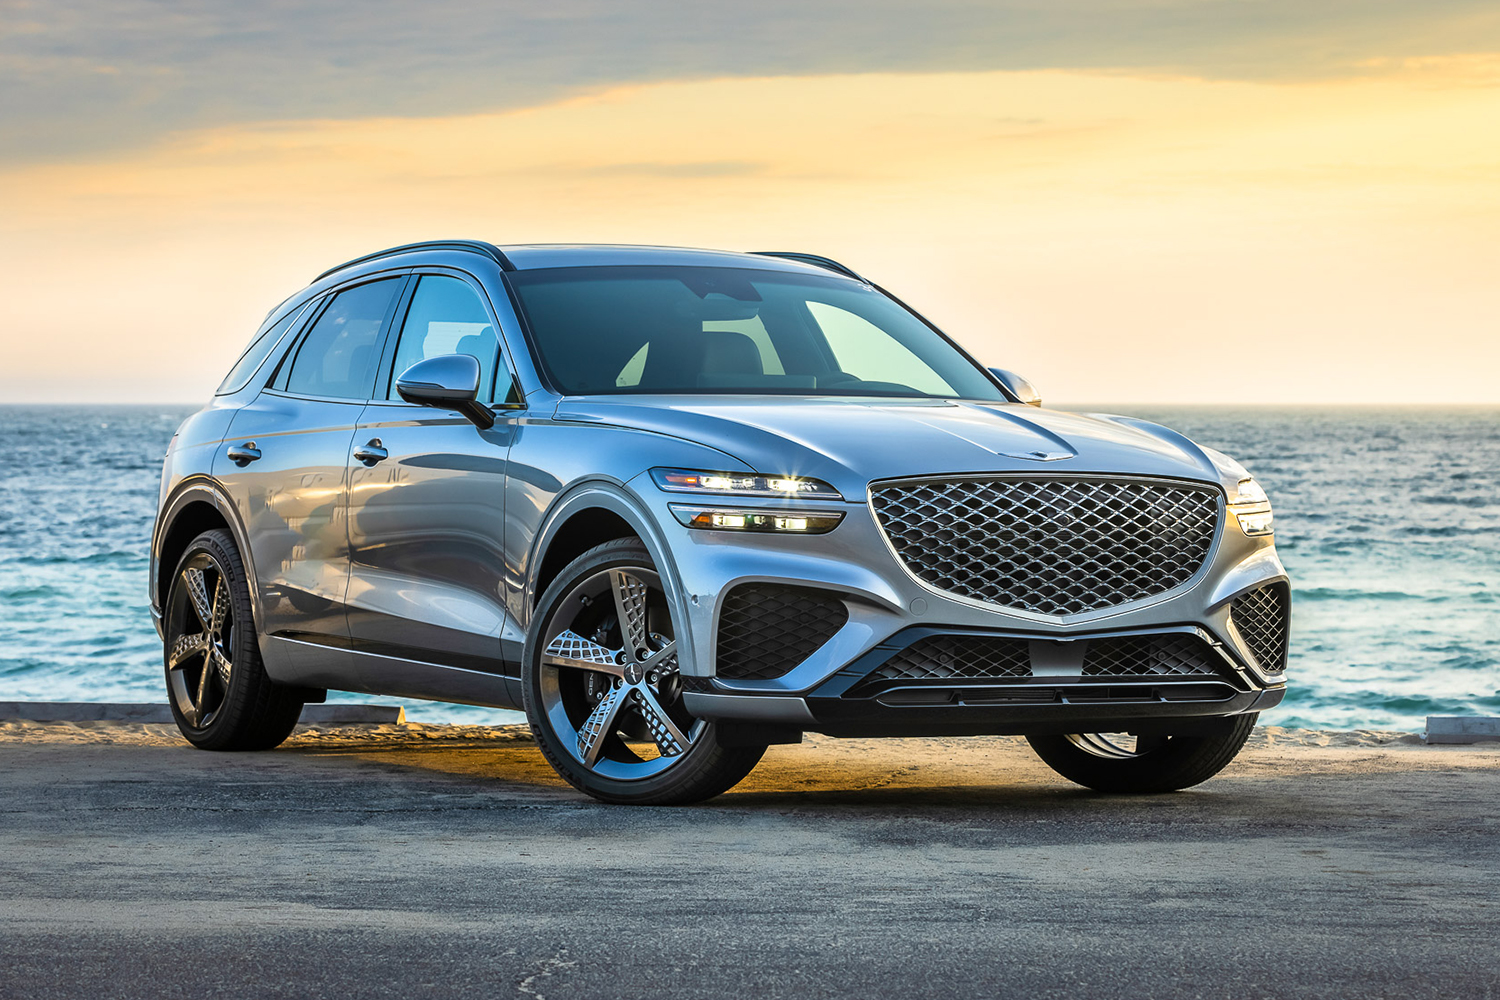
{"x": 1058, "y": 689}
{"x": 887, "y": 606}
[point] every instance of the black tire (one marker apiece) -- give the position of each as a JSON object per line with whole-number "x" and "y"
{"x": 250, "y": 711}
{"x": 704, "y": 770}
{"x": 1173, "y": 763}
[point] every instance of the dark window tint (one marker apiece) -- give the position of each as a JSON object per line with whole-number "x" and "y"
{"x": 256, "y": 354}
{"x": 723, "y": 330}
{"x": 339, "y": 354}
{"x": 447, "y": 317}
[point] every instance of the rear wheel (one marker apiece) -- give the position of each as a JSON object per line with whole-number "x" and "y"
{"x": 216, "y": 684}
{"x": 603, "y": 687}
{"x": 1124, "y": 762}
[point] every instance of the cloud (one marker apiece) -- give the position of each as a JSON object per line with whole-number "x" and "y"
{"x": 82, "y": 76}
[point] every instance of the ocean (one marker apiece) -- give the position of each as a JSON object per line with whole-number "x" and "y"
{"x": 1388, "y": 520}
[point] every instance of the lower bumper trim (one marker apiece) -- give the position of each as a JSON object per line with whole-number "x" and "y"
{"x": 992, "y": 712}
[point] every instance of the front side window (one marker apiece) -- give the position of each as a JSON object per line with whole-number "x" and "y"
{"x": 633, "y": 329}
{"x": 339, "y": 355}
{"x": 447, "y": 317}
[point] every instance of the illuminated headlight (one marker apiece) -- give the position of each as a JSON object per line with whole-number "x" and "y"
{"x": 743, "y": 484}
{"x": 1248, "y": 492}
{"x": 1258, "y": 522}
{"x": 1252, "y": 508}
{"x": 790, "y": 522}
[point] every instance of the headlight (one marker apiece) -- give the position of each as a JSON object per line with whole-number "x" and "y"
{"x": 1252, "y": 508}
{"x": 743, "y": 484}
{"x": 784, "y": 521}
{"x": 1247, "y": 492}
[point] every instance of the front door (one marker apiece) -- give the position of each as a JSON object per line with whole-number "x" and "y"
{"x": 427, "y": 504}
{"x": 286, "y": 467}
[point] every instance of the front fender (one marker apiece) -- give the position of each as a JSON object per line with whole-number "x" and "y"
{"x": 618, "y": 499}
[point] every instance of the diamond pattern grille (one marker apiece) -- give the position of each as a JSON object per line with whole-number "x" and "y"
{"x": 766, "y": 629}
{"x": 945, "y": 657}
{"x": 1149, "y": 656}
{"x": 1263, "y": 619}
{"x": 1053, "y": 546}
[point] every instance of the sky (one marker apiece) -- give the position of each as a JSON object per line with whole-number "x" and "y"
{"x": 1134, "y": 201}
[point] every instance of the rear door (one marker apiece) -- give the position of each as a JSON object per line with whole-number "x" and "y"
{"x": 286, "y": 468}
{"x": 427, "y": 497}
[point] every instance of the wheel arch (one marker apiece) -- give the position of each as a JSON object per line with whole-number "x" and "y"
{"x": 590, "y": 514}
{"x": 196, "y": 505}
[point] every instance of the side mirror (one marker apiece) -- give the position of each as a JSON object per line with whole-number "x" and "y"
{"x": 1017, "y": 386}
{"x": 448, "y": 382}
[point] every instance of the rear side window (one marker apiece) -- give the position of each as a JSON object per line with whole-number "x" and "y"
{"x": 255, "y": 355}
{"x": 339, "y": 355}
{"x": 447, "y": 317}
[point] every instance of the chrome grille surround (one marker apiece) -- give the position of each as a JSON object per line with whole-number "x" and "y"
{"x": 1055, "y": 546}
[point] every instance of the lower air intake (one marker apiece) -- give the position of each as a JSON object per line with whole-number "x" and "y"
{"x": 1150, "y": 656}
{"x": 1263, "y": 618}
{"x": 767, "y": 629}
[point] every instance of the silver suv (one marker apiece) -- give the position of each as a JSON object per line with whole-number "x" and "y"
{"x": 682, "y": 504}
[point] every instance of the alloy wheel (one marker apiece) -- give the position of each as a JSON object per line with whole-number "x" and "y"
{"x": 200, "y": 658}
{"x": 1117, "y": 746}
{"x": 610, "y": 685}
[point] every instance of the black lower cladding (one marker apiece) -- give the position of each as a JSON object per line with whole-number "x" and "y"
{"x": 945, "y": 659}
{"x": 924, "y": 681}
{"x": 766, "y": 629}
{"x": 1263, "y": 618}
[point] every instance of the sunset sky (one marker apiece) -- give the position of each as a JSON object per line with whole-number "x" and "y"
{"x": 1159, "y": 200}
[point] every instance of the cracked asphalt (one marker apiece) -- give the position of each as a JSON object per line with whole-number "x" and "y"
{"x": 420, "y": 861}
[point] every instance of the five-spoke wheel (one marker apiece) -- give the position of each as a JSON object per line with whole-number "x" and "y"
{"x": 216, "y": 684}
{"x": 603, "y": 687}
{"x": 199, "y": 659}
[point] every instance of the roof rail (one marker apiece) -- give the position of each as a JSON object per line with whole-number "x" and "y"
{"x": 814, "y": 260}
{"x": 472, "y": 246}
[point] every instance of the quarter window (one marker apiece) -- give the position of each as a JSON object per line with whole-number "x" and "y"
{"x": 256, "y": 354}
{"x": 339, "y": 355}
{"x": 447, "y": 317}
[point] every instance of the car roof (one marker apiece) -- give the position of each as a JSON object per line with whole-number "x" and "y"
{"x": 540, "y": 256}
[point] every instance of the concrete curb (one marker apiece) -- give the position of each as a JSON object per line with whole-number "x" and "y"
{"x": 1461, "y": 729}
{"x": 93, "y": 711}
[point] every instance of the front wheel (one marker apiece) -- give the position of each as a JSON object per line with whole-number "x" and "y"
{"x": 1123, "y": 762}
{"x": 603, "y": 688}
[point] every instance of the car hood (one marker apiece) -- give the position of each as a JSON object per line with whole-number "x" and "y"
{"x": 850, "y": 442}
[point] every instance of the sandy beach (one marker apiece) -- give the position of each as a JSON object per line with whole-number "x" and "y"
{"x": 421, "y": 860}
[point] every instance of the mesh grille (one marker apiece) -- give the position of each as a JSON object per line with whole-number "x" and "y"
{"x": 957, "y": 656}
{"x": 1149, "y": 656}
{"x": 766, "y": 629}
{"x": 1056, "y": 546}
{"x": 1263, "y": 619}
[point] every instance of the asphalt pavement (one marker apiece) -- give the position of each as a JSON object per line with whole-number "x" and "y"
{"x": 400, "y": 862}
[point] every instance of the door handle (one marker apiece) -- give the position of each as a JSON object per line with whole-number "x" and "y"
{"x": 372, "y": 452}
{"x": 243, "y": 454}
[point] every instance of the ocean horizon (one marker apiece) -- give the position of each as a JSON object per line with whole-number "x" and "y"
{"x": 1387, "y": 520}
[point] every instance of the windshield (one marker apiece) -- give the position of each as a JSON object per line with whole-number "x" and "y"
{"x": 729, "y": 330}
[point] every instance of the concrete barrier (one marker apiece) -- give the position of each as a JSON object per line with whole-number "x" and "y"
{"x": 1461, "y": 729}
{"x": 93, "y": 711}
